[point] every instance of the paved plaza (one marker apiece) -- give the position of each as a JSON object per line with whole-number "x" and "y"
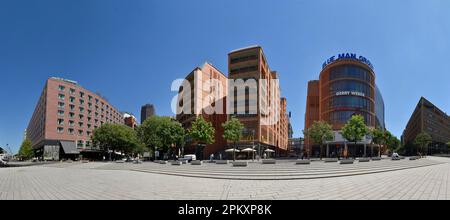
{"x": 427, "y": 178}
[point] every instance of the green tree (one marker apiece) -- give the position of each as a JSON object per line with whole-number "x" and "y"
{"x": 392, "y": 142}
{"x": 422, "y": 140}
{"x": 25, "y": 151}
{"x": 378, "y": 138}
{"x": 202, "y": 132}
{"x": 320, "y": 132}
{"x": 161, "y": 133}
{"x": 233, "y": 132}
{"x": 354, "y": 130}
{"x": 114, "y": 137}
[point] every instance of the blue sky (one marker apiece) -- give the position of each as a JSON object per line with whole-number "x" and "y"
{"x": 131, "y": 51}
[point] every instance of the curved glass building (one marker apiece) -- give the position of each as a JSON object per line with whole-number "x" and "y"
{"x": 346, "y": 87}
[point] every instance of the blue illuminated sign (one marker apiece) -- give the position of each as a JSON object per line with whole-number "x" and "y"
{"x": 351, "y": 56}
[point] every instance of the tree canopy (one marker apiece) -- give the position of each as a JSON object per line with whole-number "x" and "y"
{"x": 161, "y": 133}
{"x": 115, "y": 137}
{"x": 233, "y": 130}
{"x": 202, "y": 131}
{"x": 320, "y": 132}
{"x": 355, "y": 129}
{"x": 422, "y": 140}
{"x": 26, "y": 151}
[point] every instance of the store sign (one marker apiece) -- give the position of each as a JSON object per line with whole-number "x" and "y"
{"x": 351, "y": 56}
{"x": 350, "y": 93}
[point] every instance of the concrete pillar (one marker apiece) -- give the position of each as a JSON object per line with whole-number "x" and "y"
{"x": 365, "y": 150}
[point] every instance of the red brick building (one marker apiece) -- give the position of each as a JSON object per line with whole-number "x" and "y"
{"x": 64, "y": 118}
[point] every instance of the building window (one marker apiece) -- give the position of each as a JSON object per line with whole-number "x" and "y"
{"x": 60, "y": 121}
{"x": 81, "y": 110}
{"x": 89, "y": 126}
{"x": 61, "y": 104}
{"x": 61, "y": 88}
{"x": 72, "y": 91}
{"x": 80, "y": 144}
{"x": 81, "y": 94}
{"x": 80, "y": 132}
{"x": 71, "y": 131}
{"x": 72, "y": 99}
{"x": 81, "y": 117}
{"x": 81, "y": 102}
{"x": 96, "y": 101}
{"x": 71, "y": 123}
{"x": 61, "y": 113}
{"x": 80, "y": 124}
{"x": 90, "y": 98}
{"x": 60, "y": 130}
{"x": 88, "y": 133}
{"x": 89, "y": 118}
{"x": 61, "y": 97}
{"x": 89, "y": 105}
{"x": 72, "y": 107}
{"x": 71, "y": 115}
{"x": 88, "y": 144}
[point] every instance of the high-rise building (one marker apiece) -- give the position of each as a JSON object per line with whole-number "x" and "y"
{"x": 429, "y": 119}
{"x": 346, "y": 87}
{"x": 147, "y": 111}
{"x": 263, "y": 118}
{"x": 64, "y": 118}
{"x": 204, "y": 95}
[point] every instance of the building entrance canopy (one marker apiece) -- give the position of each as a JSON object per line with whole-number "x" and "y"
{"x": 69, "y": 147}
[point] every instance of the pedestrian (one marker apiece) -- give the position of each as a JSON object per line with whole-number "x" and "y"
{"x": 211, "y": 157}
{"x": 220, "y": 156}
{"x": 265, "y": 156}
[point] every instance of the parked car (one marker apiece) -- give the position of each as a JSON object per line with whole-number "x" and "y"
{"x": 190, "y": 157}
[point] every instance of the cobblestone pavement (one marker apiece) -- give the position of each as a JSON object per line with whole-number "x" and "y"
{"x": 89, "y": 182}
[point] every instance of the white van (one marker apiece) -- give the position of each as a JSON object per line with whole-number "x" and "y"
{"x": 190, "y": 157}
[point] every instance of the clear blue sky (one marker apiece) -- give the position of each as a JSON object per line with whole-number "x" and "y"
{"x": 131, "y": 51}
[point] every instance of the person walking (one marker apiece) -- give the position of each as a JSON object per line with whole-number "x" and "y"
{"x": 211, "y": 158}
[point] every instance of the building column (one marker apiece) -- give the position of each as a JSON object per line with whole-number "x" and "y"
{"x": 365, "y": 150}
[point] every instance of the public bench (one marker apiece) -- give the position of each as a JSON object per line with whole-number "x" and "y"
{"x": 269, "y": 161}
{"x": 222, "y": 162}
{"x": 331, "y": 160}
{"x": 240, "y": 163}
{"x": 302, "y": 162}
{"x": 196, "y": 162}
{"x": 365, "y": 159}
{"x": 346, "y": 161}
{"x": 177, "y": 163}
{"x": 414, "y": 158}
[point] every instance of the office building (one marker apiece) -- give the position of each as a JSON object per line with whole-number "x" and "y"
{"x": 147, "y": 111}
{"x": 263, "y": 115}
{"x": 346, "y": 87}
{"x": 204, "y": 95}
{"x": 429, "y": 119}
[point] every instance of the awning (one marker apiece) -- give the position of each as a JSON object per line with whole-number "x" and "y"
{"x": 69, "y": 147}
